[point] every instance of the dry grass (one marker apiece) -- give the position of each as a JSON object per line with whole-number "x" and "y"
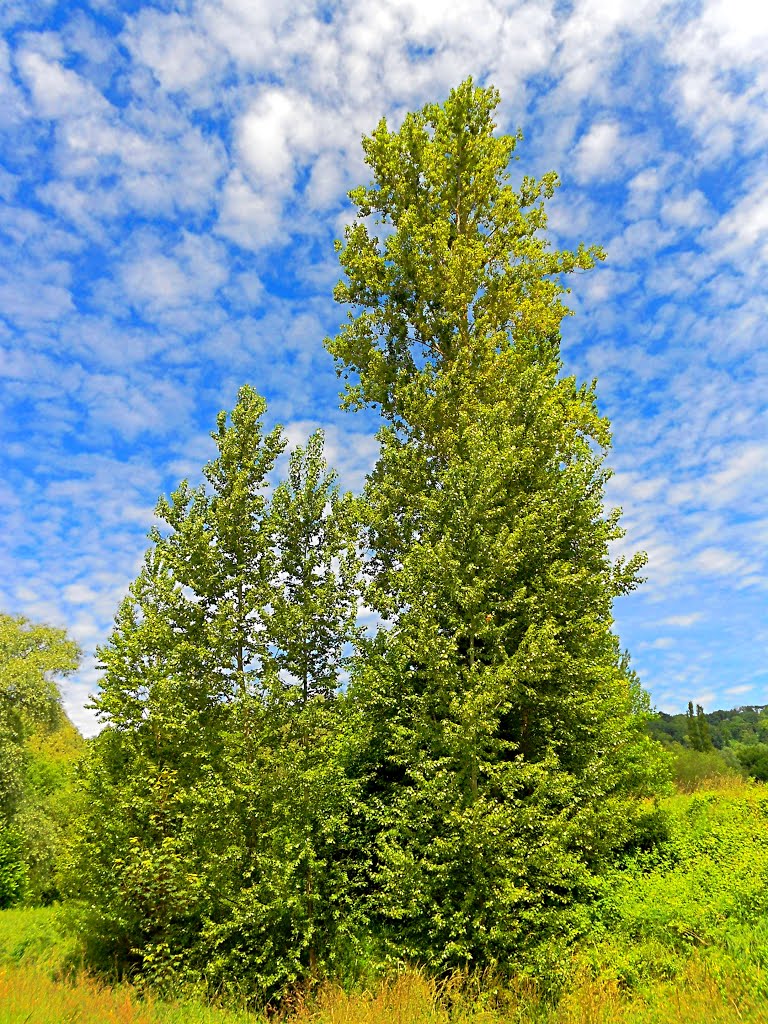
{"x": 29, "y": 996}
{"x": 409, "y": 998}
{"x": 697, "y": 997}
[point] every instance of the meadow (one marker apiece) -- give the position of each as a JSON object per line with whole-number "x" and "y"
{"x": 679, "y": 936}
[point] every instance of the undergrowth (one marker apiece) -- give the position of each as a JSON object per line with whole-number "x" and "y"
{"x": 679, "y": 936}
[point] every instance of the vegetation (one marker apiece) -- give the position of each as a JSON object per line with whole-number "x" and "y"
{"x": 37, "y": 748}
{"x": 216, "y": 803}
{"x": 498, "y": 739}
{"x": 718, "y": 743}
{"x": 465, "y": 815}
{"x": 677, "y": 935}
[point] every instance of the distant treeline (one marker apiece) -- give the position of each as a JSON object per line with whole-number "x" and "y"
{"x": 739, "y": 736}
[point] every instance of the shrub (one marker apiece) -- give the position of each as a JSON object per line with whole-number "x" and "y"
{"x": 694, "y": 769}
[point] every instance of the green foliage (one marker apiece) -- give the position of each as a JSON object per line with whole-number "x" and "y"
{"x": 215, "y": 800}
{"x": 497, "y": 733}
{"x": 245, "y": 821}
{"x": 32, "y": 776}
{"x": 703, "y": 891}
{"x": 692, "y": 769}
{"x": 48, "y": 805}
{"x": 464, "y": 267}
{"x": 754, "y": 760}
{"x": 702, "y": 728}
{"x": 739, "y": 736}
{"x": 13, "y": 867}
{"x": 30, "y": 655}
{"x": 697, "y": 729}
{"x": 314, "y": 610}
{"x": 676, "y": 933}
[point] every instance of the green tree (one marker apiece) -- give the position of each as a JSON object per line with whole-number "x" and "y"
{"x": 184, "y": 677}
{"x": 31, "y": 657}
{"x": 754, "y": 759}
{"x": 702, "y": 728}
{"x": 297, "y": 918}
{"x": 315, "y": 605}
{"x": 212, "y": 797}
{"x": 46, "y": 812}
{"x": 496, "y": 732}
{"x": 697, "y": 729}
{"x": 692, "y": 728}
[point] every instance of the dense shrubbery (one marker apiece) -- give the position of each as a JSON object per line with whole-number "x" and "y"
{"x": 693, "y": 768}
{"x": 676, "y": 934}
{"x": 13, "y": 868}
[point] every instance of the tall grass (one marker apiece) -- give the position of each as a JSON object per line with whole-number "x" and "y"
{"x": 29, "y": 996}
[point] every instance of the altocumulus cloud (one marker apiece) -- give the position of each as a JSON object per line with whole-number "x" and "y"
{"x": 173, "y": 177}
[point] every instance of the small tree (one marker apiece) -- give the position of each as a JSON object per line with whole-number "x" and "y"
{"x": 702, "y": 728}
{"x": 305, "y": 913}
{"x": 30, "y": 657}
{"x": 186, "y": 669}
{"x": 697, "y": 729}
{"x": 691, "y": 726}
{"x": 213, "y": 798}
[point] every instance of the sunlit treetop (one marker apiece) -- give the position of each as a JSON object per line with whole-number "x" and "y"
{"x": 445, "y": 261}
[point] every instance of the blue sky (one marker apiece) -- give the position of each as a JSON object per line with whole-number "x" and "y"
{"x": 172, "y": 177}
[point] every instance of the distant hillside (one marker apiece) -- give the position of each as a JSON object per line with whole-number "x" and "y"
{"x": 746, "y": 724}
{"x": 738, "y": 736}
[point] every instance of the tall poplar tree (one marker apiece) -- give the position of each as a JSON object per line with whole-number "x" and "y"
{"x": 171, "y": 813}
{"x": 497, "y": 733}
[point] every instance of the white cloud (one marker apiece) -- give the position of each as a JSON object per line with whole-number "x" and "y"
{"x": 687, "y": 210}
{"x": 742, "y": 233}
{"x": 738, "y": 691}
{"x": 180, "y": 55}
{"x": 58, "y": 91}
{"x": 250, "y": 219}
{"x": 720, "y": 562}
{"x": 684, "y": 621}
{"x": 722, "y": 80}
{"x": 599, "y": 152}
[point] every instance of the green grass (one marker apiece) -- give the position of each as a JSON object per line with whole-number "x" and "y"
{"x": 680, "y": 936}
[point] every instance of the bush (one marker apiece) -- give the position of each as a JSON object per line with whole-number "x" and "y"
{"x": 754, "y": 760}
{"x": 694, "y": 769}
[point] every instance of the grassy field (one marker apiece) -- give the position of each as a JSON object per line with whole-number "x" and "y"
{"x": 678, "y": 938}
